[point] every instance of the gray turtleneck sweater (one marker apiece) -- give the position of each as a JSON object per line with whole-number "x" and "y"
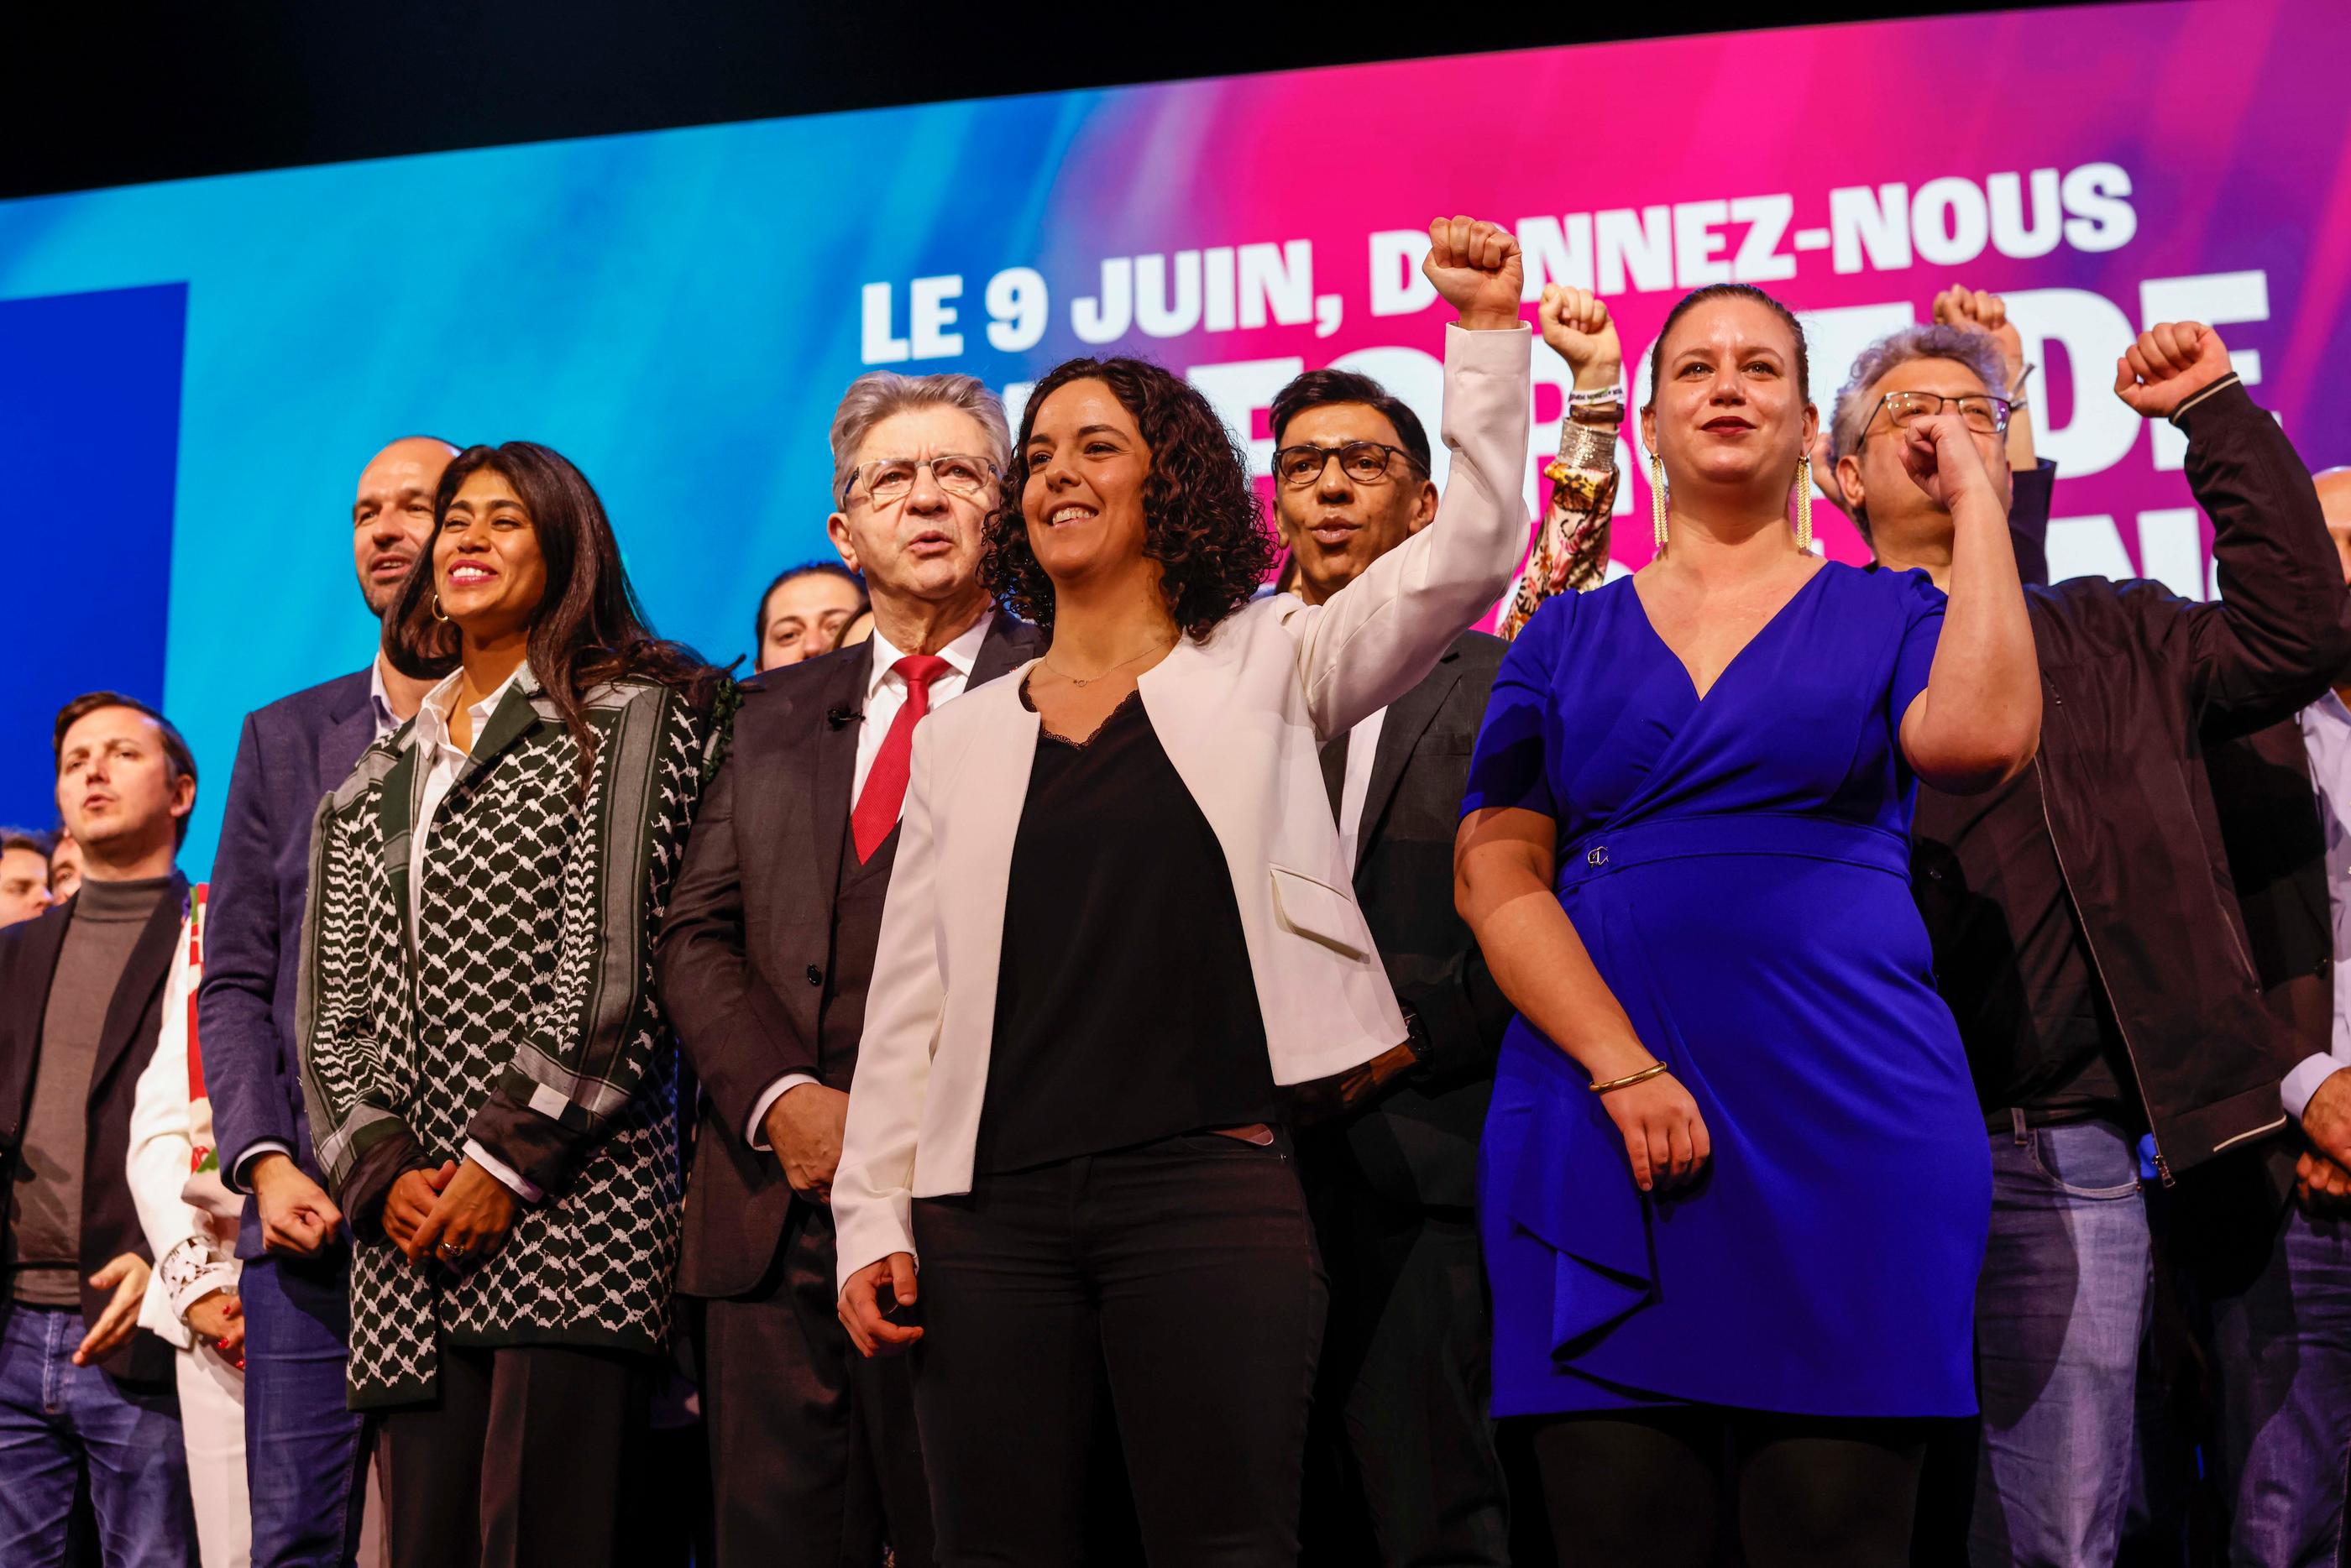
{"x": 45, "y": 1198}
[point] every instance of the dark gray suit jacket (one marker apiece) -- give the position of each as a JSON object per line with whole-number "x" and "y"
{"x": 1419, "y": 1144}
{"x": 750, "y": 937}
{"x": 291, "y": 754}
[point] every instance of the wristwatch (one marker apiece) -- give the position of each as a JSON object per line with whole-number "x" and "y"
{"x": 1415, "y": 1036}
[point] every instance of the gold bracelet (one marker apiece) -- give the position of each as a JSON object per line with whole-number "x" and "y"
{"x": 1653, "y": 1070}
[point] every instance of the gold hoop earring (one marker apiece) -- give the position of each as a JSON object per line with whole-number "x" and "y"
{"x": 438, "y": 614}
{"x": 1804, "y": 504}
{"x": 1657, "y": 500}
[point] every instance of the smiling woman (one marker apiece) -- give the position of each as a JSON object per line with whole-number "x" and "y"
{"x": 489, "y": 1073}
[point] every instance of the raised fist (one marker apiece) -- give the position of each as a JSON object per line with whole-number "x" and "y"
{"x": 1941, "y": 456}
{"x": 1576, "y": 324}
{"x": 1973, "y": 310}
{"x": 2170, "y": 363}
{"x": 1476, "y": 270}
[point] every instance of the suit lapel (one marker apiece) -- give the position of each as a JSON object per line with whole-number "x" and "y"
{"x": 833, "y": 767}
{"x": 1008, "y": 645}
{"x": 1407, "y": 720}
{"x": 347, "y": 735}
{"x": 142, "y": 976}
{"x": 515, "y": 716}
{"x": 43, "y": 939}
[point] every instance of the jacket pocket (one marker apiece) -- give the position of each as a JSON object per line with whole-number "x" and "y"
{"x": 1319, "y": 912}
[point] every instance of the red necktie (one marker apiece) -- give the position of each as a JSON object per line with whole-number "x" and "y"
{"x": 876, "y": 812}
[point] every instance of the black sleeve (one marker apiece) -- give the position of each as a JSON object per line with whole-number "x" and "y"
{"x": 1465, "y": 1014}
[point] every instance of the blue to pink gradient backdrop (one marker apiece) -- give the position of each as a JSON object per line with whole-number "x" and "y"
{"x": 678, "y": 310}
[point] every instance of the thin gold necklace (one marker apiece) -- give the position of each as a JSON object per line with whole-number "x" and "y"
{"x": 1081, "y": 682}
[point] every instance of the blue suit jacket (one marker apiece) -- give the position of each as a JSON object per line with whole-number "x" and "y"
{"x": 291, "y": 754}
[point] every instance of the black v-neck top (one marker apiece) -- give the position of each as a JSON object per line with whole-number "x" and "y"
{"x": 1125, "y": 1007}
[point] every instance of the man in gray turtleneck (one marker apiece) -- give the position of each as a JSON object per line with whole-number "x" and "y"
{"x": 82, "y": 1388}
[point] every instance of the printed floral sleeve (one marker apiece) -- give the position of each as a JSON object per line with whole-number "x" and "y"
{"x": 1571, "y": 553}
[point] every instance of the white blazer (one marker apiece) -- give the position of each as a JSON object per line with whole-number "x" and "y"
{"x": 162, "y": 1147}
{"x": 1242, "y": 714}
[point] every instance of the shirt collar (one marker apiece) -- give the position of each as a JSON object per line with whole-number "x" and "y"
{"x": 962, "y": 654}
{"x": 433, "y": 714}
{"x": 386, "y": 722}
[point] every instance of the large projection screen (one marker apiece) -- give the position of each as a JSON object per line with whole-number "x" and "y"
{"x": 191, "y": 373}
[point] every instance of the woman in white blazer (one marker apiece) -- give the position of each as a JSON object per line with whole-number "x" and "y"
{"x": 191, "y": 1218}
{"x": 1119, "y": 919}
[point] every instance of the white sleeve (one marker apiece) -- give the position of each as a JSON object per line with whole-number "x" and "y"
{"x": 161, "y": 1150}
{"x": 1374, "y": 641}
{"x": 872, "y": 1191}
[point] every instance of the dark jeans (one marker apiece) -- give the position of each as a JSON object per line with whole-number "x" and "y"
{"x": 305, "y": 1451}
{"x": 1654, "y": 1488}
{"x": 1182, "y": 1273}
{"x": 813, "y": 1450}
{"x": 2060, "y": 1307}
{"x": 527, "y": 1460}
{"x": 2282, "y": 1362}
{"x": 56, "y": 1418}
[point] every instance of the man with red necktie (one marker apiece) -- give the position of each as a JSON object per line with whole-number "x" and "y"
{"x": 764, "y": 960}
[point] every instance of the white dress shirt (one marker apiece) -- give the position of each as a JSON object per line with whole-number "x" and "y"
{"x": 379, "y": 706}
{"x": 442, "y": 761}
{"x": 885, "y": 693}
{"x": 2326, "y": 737}
{"x": 1363, "y": 745}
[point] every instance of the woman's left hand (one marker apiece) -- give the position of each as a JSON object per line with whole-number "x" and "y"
{"x": 468, "y": 1221}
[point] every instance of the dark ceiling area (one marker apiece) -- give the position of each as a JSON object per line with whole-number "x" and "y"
{"x": 95, "y": 96}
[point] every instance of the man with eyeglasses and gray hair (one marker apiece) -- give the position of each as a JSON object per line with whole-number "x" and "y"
{"x": 765, "y": 957}
{"x": 2085, "y": 932}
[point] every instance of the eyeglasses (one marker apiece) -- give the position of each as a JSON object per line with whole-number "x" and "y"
{"x": 890, "y": 479}
{"x": 1365, "y": 462}
{"x": 1984, "y": 414}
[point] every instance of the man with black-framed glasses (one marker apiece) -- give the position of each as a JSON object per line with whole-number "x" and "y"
{"x": 2086, "y": 930}
{"x": 1400, "y": 1467}
{"x": 764, "y": 960}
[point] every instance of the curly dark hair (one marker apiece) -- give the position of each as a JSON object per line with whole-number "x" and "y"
{"x": 1201, "y": 517}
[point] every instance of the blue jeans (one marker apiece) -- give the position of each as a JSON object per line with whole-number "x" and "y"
{"x": 2282, "y": 1356}
{"x": 2060, "y": 1310}
{"x": 56, "y": 1419}
{"x": 305, "y": 1451}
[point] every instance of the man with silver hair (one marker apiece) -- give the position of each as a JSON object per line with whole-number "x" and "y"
{"x": 765, "y": 957}
{"x": 2085, "y": 931}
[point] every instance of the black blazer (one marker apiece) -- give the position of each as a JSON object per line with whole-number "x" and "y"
{"x": 1418, "y": 1144}
{"x": 109, "y": 1222}
{"x": 750, "y": 935}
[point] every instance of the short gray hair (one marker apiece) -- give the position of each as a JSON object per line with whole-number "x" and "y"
{"x": 878, "y": 394}
{"x": 1935, "y": 340}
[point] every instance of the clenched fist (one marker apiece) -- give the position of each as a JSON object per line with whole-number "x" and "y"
{"x": 2170, "y": 363}
{"x": 1974, "y": 310}
{"x": 1576, "y": 324}
{"x": 1476, "y": 270}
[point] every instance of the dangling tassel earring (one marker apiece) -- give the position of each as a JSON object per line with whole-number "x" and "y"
{"x": 1804, "y": 504}
{"x": 1658, "y": 499}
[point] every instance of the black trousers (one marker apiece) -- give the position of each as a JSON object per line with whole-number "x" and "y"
{"x": 815, "y": 1461}
{"x": 1400, "y": 1469}
{"x": 527, "y": 1460}
{"x": 1181, "y": 1275}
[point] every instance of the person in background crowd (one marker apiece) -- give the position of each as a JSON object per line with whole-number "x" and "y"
{"x": 1065, "y": 1098}
{"x": 491, "y": 1082}
{"x": 1401, "y": 1465}
{"x": 2033, "y": 479}
{"x": 1682, "y": 852}
{"x": 855, "y": 629}
{"x": 803, "y": 611}
{"x": 766, "y": 960}
{"x": 83, "y": 1389}
{"x": 24, "y": 875}
{"x": 305, "y": 1453}
{"x": 2265, "y": 1239}
{"x": 65, "y": 867}
{"x": 2084, "y": 929}
{"x": 190, "y": 1219}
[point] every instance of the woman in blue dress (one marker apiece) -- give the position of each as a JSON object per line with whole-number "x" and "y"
{"x": 1733, "y": 1186}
